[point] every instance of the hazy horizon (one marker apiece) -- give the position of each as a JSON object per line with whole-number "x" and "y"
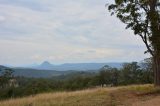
{"x": 60, "y": 31}
{"x": 57, "y": 64}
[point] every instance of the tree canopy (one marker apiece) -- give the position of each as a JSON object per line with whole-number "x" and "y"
{"x": 141, "y": 18}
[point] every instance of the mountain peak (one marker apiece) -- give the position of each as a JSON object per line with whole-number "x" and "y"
{"x": 46, "y": 63}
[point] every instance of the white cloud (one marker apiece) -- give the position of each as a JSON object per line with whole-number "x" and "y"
{"x": 63, "y": 31}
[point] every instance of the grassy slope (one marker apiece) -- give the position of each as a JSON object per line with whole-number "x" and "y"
{"x": 92, "y": 97}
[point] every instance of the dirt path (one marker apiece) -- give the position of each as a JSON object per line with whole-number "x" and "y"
{"x": 155, "y": 101}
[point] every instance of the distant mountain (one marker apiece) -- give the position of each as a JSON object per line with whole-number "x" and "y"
{"x": 46, "y": 65}
{"x": 75, "y": 66}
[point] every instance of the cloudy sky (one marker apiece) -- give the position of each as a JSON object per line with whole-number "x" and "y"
{"x": 64, "y": 31}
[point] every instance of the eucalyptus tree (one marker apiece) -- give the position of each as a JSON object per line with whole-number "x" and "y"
{"x": 143, "y": 17}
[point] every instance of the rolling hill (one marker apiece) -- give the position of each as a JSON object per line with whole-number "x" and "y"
{"x": 35, "y": 73}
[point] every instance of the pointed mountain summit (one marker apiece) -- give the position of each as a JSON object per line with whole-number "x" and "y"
{"x": 46, "y": 65}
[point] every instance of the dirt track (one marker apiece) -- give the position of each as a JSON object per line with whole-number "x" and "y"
{"x": 155, "y": 101}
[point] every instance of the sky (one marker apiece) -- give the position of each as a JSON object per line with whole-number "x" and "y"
{"x": 64, "y": 31}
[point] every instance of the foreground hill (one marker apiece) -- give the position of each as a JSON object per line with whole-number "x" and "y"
{"x": 138, "y": 95}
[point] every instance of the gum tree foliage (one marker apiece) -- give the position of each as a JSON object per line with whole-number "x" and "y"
{"x": 143, "y": 17}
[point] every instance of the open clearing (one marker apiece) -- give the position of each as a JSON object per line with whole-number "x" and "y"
{"x": 135, "y": 95}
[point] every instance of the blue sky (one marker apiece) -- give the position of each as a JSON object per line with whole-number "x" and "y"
{"x": 64, "y": 31}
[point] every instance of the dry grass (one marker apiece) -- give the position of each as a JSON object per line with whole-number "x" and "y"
{"x": 94, "y": 97}
{"x": 124, "y": 96}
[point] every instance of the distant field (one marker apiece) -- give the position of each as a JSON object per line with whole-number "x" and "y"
{"x": 135, "y": 95}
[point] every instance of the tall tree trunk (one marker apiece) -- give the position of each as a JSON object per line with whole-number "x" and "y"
{"x": 155, "y": 39}
{"x": 156, "y": 69}
{"x": 156, "y": 58}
